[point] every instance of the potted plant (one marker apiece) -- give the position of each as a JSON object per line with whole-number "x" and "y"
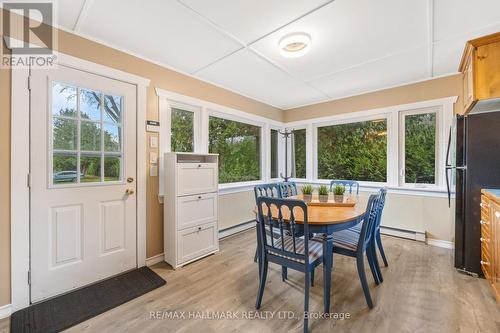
{"x": 307, "y": 191}
{"x": 338, "y": 193}
{"x": 323, "y": 193}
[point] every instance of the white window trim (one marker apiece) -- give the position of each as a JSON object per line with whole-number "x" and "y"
{"x": 439, "y": 182}
{"x": 207, "y": 109}
{"x": 281, "y": 152}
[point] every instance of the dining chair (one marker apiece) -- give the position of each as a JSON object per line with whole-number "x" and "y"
{"x": 346, "y": 183}
{"x": 288, "y": 189}
{"x": 299, "y": 253}
{"x": 272, "y": 190}
{"x": 376, "y": 232}
{"x": 355, "y": 244}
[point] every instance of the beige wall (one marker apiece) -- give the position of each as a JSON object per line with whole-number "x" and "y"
{"x": 236, "y": 208}
{"x": 422, "y": 91}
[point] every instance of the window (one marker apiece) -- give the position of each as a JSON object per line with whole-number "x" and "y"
{"x": 238, "y": 146}
{"x": 182, "y": 130}
{"x": 299, "y": 153}
{"x": 418, "y": 147}
{"x": 86, "y": 135}
{"x": 274, "y": 154}
{"x": 354, "y": 151}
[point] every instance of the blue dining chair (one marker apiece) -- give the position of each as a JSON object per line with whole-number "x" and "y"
{"x": 288, "y": 189}
{"x": 376, "y": 237}
{"x": 299, "y": 253}
{"x": 355, "y": 244}
{"x": 272, "y": 190}
{"x": 348, "y": 184}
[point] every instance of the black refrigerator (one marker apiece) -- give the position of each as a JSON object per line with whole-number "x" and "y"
{"x": 473, "y": 164}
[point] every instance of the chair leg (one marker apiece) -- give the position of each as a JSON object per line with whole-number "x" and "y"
{"x": 312, "y": 278}
{"x": 262, "y": 283}
{"x": 306, "y": 303}
{"x": 375, "y": 262}
{"x": 362, "y": 277}
{"x": 381, "y": 248}
{"x": 284, "y": 273}
{"x": 371, "y": 262}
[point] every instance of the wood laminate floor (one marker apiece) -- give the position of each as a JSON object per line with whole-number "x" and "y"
{"x": 421, "y": 292}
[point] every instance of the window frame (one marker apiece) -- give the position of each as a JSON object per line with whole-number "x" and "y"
{"x": 309, "y": 165}
{"x": 167, "y": 120}
{"x": 402, "y": 154}
{"x": 281, "y": 153}
{"x": 377, "y": 116}
{"x": 265, "y": 138}
{"x": 78, "y": 152}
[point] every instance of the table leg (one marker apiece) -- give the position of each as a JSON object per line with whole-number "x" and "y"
{"x": 327, "y": 270}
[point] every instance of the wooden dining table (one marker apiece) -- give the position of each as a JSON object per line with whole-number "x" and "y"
{"x": 326, "y": 220}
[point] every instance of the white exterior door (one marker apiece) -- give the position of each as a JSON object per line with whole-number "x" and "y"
{"x": 83, "y": 179}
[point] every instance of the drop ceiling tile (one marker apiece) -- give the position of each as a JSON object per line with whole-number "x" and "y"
{"x": 448, "y": 51}
{"x": 249, "y": 20}
{"x": 347, "y": 33}
{"x": 67, "y": 12}
{"x": 394, "y": 70}
{"x": 455, "y": 18}
{"x": 253, "y": 76}
{"x": 161, "y": 30}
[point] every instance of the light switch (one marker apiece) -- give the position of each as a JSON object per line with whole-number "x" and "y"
{"x": 153, "y": 157}
{"x": 153, "y": 142}
{"x": 153, "y": 170}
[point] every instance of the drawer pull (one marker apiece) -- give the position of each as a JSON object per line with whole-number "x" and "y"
{"x": 484, "y": 263}
{"x": 483, "y": 222}
{"x": 199, "y": 197}
{"x": 485, "y": 240}
{"x": 484, "y": 205}
{"x": 199, "y": 228}
{"x": 199, "y": 165}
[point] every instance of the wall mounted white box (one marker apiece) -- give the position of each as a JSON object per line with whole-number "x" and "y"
{"x": 191, "y": 207}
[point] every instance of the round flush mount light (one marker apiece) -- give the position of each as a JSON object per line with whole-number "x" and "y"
{"x": 295, "y": 45}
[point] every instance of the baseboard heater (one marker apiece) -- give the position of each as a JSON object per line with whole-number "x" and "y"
{"x": 236, "y": 229}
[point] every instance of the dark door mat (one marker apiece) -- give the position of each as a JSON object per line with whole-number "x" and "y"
{"x": 62, "y": 312}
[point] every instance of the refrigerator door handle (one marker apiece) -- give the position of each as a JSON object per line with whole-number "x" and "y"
{"x": 448, "y": 185}
{"x": 448, "y": 150}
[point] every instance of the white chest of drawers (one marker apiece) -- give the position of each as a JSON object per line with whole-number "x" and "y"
{"x": 191, "y": 207}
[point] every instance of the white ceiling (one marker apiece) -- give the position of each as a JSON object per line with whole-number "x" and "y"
{"x": 357, "y": 45}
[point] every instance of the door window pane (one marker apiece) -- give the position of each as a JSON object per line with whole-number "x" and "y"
{"x": 87, "y": 143}
{"x": 90, "y": 136}
{"x": 112, "y": 109}
{"x": 63, "y": 100}
{"x": 182, "y": 131}
{"x": 90, "y": 169}
{"x": 353, "y": 151}
{"x": 238, "y": 146}
{"x": 112, "y": 168}
{"x": 299, "y": 154}
{"x": 420, "y": 148}
{"x": 90, "y": 104}
{"x": 64, "y": 168}
{"x": 112, "y": 138}
{"x": 274, "y": 154}
{"x": 65, "y": 134}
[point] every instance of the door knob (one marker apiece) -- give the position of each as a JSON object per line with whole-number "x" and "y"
{"x": 130, "y": 191}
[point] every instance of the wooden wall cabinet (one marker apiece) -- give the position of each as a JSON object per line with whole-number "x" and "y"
{"x": 191, "y": 207}
{"x": 490, "y": 238}
{"x": 480, "y": 66}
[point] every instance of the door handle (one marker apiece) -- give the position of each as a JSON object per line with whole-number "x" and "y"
{"x": 130, "y": 179}
{"x": 129, "y": 191}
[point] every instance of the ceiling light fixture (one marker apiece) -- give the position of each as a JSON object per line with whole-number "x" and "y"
{"x": 295, "y": 45}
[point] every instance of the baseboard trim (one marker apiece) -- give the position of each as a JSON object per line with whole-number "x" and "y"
{"x": 5, "y": 311}
{"x": 403, "y": 233}
{"x": 441, "y": 243}
{"x": 236, "y": 229}
{"x": 155, "y": 259}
